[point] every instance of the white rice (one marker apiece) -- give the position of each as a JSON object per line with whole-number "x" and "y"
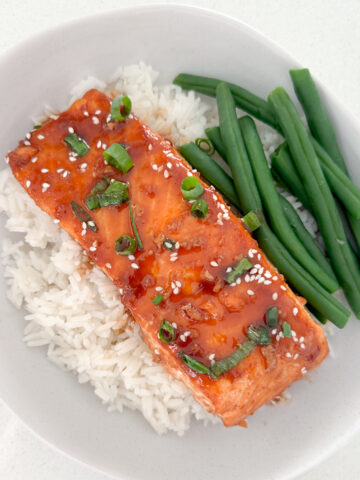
{"x": 74, "y": 311}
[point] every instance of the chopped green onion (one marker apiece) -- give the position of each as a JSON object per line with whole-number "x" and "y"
{"x": 199, "y": 209}
{"x": 115, "y": 194}
{"x": 76, "y": 144}
{"x": 169, "y": 244}
{"x": 117, "y": 156}
{"x": 286, "y": 329}
{"x": 194, "y": 364}
{"x": 82, "y": 215}
{"x": 251, "y": 221}
{"x": 272, "y": 317}
{"x": 36, "y": 127}
{"x": 191, "y": 188}
{"x": 243, "y": 266}
{"x": 125, "y": 245}
{"x": 226, "y": 364}
{"x": 205, "y": 145}
{"x": 259, "y": 335}
{"x": 166, "y": 332}
{"x": 136, "y": 233}
{"x": 120, "y": 108}
{"x": 157, "y": 299}
{"x": 100, "y": 187}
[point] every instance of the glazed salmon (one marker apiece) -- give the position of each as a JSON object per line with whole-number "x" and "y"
{"x": 184, "y": 259}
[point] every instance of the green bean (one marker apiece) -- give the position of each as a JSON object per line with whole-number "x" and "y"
{"x": 210, "y": 170}
{"x": 282, "y": 162}
{"x": 243, "y": 98}
{"x": 235, "y": 150}
{"x": 304, "y": 236}
{"x": 318, "y": 120}
{"x": 271, "y": 202}
{"x": 308, "y": 166}
{"x": 249, "y": 199}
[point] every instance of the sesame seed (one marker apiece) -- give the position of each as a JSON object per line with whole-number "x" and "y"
{"x": 97, "y": 112}
{"x": 131, "y": 257}
{"x": 95, "y": 120}
{"x": 91, "y": 223}
{"x": 135, "y": 266}
{"x": 70, "y": 130}
{"x": 121, "y": 291}
{"x": 84, "y": 225}
{"x": 247, "y": 278}
{"x": 159, "y": 289}
{"x": 7, "y": 159}
{"x": 45, "y": 186}
{"x": 83, "y": 232}
{"x": 250, "y": 254}
{"x": 275, "y": 296}
{"x": 302, "y": 345}
{"x": 229, "y": 269}
{"x": 65, "y": 174}
{"x": 72, "y": 158}
{"x": 259, "y": 256}
{"x": 183, "y": 338}
{"x": 173, "y": 254}
{"x": 214, "y": 197}
{"x": 273, "y": 331}
{"x": 59, "y": 170}
{"x": 56, "y": 220}
{"x": 173, "y": 259}
{"x": 275, "y": 277}
{"x": 86, "y": 113}
{"x": 44, "y": 170}
{"x": 169, "y": 165}
{"x": 213, "y": 263}
{"x": 296, "y": 356}
{"x": 104, "y": 146}
{"x": 177, "y": 245}
{"x": 166, "y": 174}
{"x": 212, "y": 356}
{"x": 173, "y": 285}
{"x": 28, "y": 183}
{"x": 253, "y": 271}
{"x": 261, "y": 280}
{"x": 301, "y": 339}
{"x": 27, "y": 143}
{"x": 28, "y": 136}
{"x": 176, "y": 290}
{"x": 283, "y": 288}
{"x": 93, "y": 248}
{"x": 156, "y": 351}
{"x": 288, "y": 355}
{"x": 34, "y": 160}
{"x": 83, "y": 166}
{"x": 108, "y": 265}
{"x": 187, "y": 334}
{"x": 154, "y": 167}
{"x": 233, "y": 284}
{"x": 267, "y": 274}
{"x": 150, "y": 147}
{"x": 267, "y": 282}
{"x": 250, "y": 292}
{"x": 174, "y": 324}
{"x": 189, "y": 174}
{"x": 303, "y": 370}
{"x": 295, "y": 311}
{"x": 98, "y": 145}
{"x": 40, "y": 137}
{"x": 178, "y": 283}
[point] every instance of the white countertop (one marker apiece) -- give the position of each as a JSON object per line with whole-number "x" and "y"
{"x": 324, "y": 35}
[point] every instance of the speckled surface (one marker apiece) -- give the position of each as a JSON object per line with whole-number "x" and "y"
{"x": 324, "y": 36}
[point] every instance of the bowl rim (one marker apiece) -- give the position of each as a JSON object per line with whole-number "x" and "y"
{"x": 252, "y": 32}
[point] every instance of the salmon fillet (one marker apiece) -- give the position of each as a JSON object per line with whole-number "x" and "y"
{"x": 210, "y": 317}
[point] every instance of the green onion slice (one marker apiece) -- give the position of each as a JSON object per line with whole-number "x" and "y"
{"x": 135, "y": 230}
{"x": 36, "y": 127}
{"x": 166, "y": 332}
{"x": 120, "y": 108}
{"x": 199, "y": 209}
{"x": 243, "y": 266}
{"x": 117, "y": 156}
{"x": 157, "y": 299}
{"x": 125, "y": 245}
{"x": 205, "y": 145}
{"x": 272, "y": 317}
{"x": 76, "y": 144}
{"x": 286, "y": 329}
{"x": 226, "y": 364}
{"x": 82, "y": 215}
{"x": 169, "y": 244}
{"x": 194, "y": 364}
{"x": 115, "y": 194}
{"x": 251, "y": 221}
{"x": 191, "y": 188}
{"x": 259, "y": 335}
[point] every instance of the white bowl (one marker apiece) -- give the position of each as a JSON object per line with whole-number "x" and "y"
{"x": 281, "y": 441}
